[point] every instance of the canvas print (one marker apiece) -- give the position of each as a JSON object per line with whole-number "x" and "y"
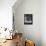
{"x": 28, "y": 19}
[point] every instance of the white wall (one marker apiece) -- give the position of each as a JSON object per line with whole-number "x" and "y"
{"x": 43, "y": 22}
{"x": 6, "y": 13}
{"x": 29, "y": 31}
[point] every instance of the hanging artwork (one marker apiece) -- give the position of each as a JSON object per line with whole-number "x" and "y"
{"x": 28, "y": 19}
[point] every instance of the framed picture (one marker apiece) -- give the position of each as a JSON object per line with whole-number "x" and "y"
{"x": 28, "y": 19}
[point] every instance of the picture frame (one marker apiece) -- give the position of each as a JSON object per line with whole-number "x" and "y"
{"x": 28, "y": 19}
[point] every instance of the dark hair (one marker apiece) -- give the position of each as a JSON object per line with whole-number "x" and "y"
{"x": 34, "y": 44}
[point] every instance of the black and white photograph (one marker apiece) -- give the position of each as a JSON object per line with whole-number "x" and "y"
{"x": 28, "y": 19}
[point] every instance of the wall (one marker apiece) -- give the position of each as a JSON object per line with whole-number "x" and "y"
{"x": 29, "y": 31}
{"x": 43, "y": 22}
{"x": 6, "y": 13}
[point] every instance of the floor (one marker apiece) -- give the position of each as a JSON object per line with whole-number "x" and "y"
{"x": 9, "y": 43}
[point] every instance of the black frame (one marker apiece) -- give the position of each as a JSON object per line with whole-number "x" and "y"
{"x": 28, "y": 19}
